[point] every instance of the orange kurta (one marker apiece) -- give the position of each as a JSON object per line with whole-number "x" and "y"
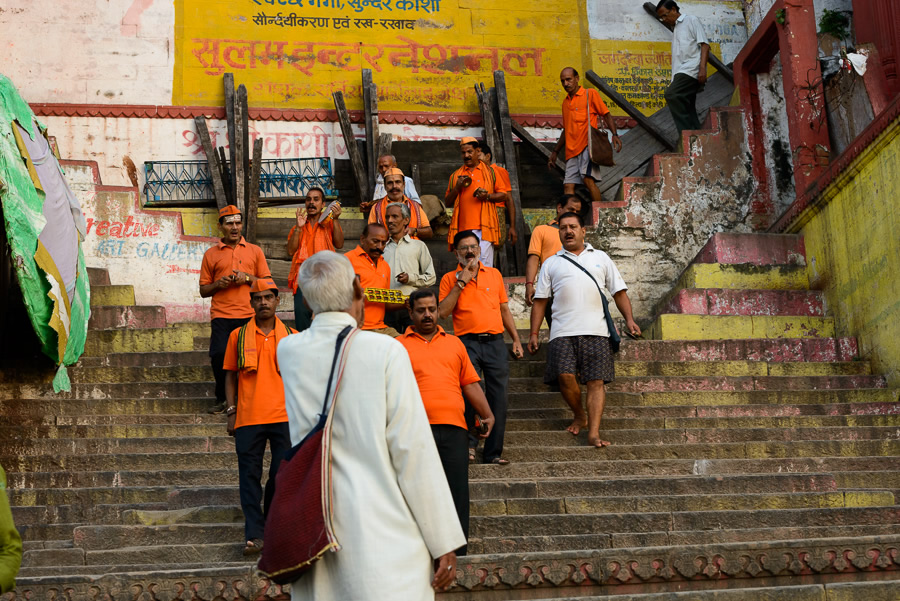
{"x": 574, "y": 111}
{"x": 313, "y": 238}
{"x": 442, "y": 368}
{"x": 469, "y": 213}
{"x": 371, "y": 275}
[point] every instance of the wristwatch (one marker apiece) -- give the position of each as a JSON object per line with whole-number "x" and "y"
{"x": 230, "y": 410}
{"x": 461, "y": 284}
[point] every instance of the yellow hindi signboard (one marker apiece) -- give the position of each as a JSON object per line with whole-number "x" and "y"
{"x": 425, "y": 55}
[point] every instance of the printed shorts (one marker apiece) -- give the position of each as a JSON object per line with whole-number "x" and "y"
{"x": 588, "y": 357}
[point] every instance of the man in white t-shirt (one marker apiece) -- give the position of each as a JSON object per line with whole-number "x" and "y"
{"x": 579, "y": 337}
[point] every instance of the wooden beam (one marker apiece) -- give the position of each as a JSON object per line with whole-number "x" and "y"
{"x": 526, "y": 137}
{"x": 486, "y": 102}
{"x": 416, "y": 178}
{"x": 229, "y": 122}
{"x": 629, "y": 108}
{"x": 253, "y": 200}
{"x": 212, "y": 161}
{"x": 237, "y": 164}
{"x": 245, "y": 142}
{"x": 714, "y": 60}
{"x": 356, "y": 162}
{"x": 384, "y": 147}
{"x": 511, "y": 166}
{"x": 225, "y": 175}
{"x": 370, "y": 108}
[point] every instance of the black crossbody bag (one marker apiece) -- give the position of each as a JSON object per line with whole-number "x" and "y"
{"x": 614, "y": 340}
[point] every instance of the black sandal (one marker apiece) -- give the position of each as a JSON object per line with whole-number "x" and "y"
{"x": 253, "y": 547}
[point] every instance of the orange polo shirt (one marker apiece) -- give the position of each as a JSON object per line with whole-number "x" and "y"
{"x": 260, "y": 392}
{"x": 574, "y": 111}
{"x": 313, "y": 238}
{"x": 442, "y": 368}
{"x": 417, "y": 219}
{"x": 477, "y": 310}
{"x": 545, "y": 241}
{"x": 371, "y": 276}
{"x": 221, "y": 260}
{"x": 467, "y": 206}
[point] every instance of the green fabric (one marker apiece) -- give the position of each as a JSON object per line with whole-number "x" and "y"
{"x": 22, "y": 207}
{"x": 10, "y": 542}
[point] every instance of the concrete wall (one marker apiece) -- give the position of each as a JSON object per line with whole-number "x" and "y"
{"x": 755, "y": 10}
{"x": 853, "y": 251}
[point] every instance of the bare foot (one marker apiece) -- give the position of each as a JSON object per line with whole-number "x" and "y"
{"x": 577, "y": 424}
{"x": 596, "y": 441}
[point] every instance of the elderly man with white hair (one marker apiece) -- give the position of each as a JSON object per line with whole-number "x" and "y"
{"x": 393, "y": 511}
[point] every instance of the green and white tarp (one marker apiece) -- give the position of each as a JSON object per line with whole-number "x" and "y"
{"x": 45, "y": 228}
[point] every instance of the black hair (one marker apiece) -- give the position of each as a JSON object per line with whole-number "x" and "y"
{"x": 462, "y": 235}
{"x": 365, "y": 231}
{"x": 421, "y": 293}
{"x": 485, "y": 149}
{"x": 565, "y": 198}
{"x": 273, "y": 290}
{"x": 573, "y": 70}
{"x": 316, "y": 189}
{"x": 570, "y": 214}
{"x": 667, "y": 4}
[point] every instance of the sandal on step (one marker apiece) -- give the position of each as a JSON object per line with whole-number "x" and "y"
{"x": 253, "y": 547}
{"x": 471, "y": 455}
{"x": 500, "y": 461}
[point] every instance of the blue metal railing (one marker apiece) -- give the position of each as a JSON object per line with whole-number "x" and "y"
{"x": 172, "y": 183}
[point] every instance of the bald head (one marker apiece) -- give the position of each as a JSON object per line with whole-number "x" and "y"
{"x": 568, "y": 77}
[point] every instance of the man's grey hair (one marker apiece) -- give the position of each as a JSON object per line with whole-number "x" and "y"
{"x": 392, "y": 157}
{"x": 404, "y": 210}
{"x": 326, "y": 280}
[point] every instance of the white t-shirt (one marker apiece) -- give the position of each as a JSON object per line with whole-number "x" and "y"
{"x": 577, "y": 308}
{"x": 686, "y": 40}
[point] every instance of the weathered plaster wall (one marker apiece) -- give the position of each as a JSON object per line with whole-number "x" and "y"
{"x": 755, "y": 10}
{"x": 779, "y": 160}
{"x": 853, "y": 251}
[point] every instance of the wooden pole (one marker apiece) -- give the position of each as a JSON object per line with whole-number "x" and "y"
{"x": 511, "y": 166}
{"x": 212, "y": 161}
{"x": 629, "y": 108}
{"x": 384, "y": 147}
{"x": 225, "y": 175}
{"x": 229, "y": 121}
{"x": 370, "y": 109}
{"x": 237, "y": 163}
{"x": 356, "y": 162}
{"x": 485, "y": 105}
{"x": 714, "y": 60}
{"x": 253, "y": 201}
{"x": 245, "y": 142}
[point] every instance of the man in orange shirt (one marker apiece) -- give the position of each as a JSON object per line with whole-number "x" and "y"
{"x": 256, "y": 411}
{"x": 374, "y": 272}
{"x": 473, "y": 191}
{"x": 306, "y": 239}
{"x": 476, "y": 297}
{"x": 502, "y": 176}
{"x": 226, "y": 273}
{"x": 419, "y": 227}
{"x": 544, "y": 244}
{"x": 445, "y": 375}
{"x": 575, "y": 136}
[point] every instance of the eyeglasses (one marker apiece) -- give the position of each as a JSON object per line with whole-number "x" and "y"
{"x": 467, "y": 248}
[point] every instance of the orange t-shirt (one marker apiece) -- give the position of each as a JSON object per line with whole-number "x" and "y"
{"x": 260, "y": 392}
{"x": 417, "y": 217}
{"x": 502, "y": 184}
{"x": 442, "y": 368}
{"x": 467, "y": 206}
{"x": 371, "y": 276}
{"x": 574, "y": 111}
{"x": 477, "y": 309}
{"x": 221, "y": 260}
{"x": 545, "y": 241}
{"x": 313, "y": 238}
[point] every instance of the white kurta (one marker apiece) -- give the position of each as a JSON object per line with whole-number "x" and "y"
{"x": 393, "y": 511}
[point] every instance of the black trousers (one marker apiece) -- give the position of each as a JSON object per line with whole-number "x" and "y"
{"x": 220, "y": 329}
{"x": 302, "y": 314}
{"x": 681, "y": 98}
{"x": 452, "y": 446}
{"x": 250, "y": 444}
{"x": 491, "y": 361}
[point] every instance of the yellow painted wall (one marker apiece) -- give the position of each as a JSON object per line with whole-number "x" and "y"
{"x": 852, "y": 236}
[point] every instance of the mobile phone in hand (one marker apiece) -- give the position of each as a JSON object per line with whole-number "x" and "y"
{"x": 480, "y": 426}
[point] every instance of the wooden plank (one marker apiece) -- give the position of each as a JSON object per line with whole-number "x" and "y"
{"x": 527, "y": 138}
{"x": 416, "y": 179}
{"x": 370, "y": 109}
{"x": 513, "y": 168}
{"x": 212, "y": 161}
{"x": 253, "y": 200}
{"x": 356, "y": 161}
{"x": 384, "y": 147}
{"x": 491, "y": 136}
{"x": 225, "y": 175}
{"x": 713, "y": 60}
{"x": 638, "y": 146}
{"x": 629, "y": 108}
{"x": 245, "y": 142}
{"x": 237, "y": 163}
{"x": 229, "y": 121}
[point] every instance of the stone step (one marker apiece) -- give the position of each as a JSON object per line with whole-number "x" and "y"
{"x": 718, "y": 301}
{"x": 119, "y": 294}
{"x": 28, "y": 517}
{"x": 122, "y": 419}
{"x": 709, "y": 383}
{"x": 673, "y": 326}
{"x": 678, "y": 503}
{"x": 114, "y": 446}
{"x": 98, "y": 277}
{"x": 548, "y": 525}
{"x": 111, "y": 317}
{"x": 148, "y": 340}
{"x": 114, "y": 495}
{"x": 754, "y": 249}
{"x": 743, "y": 277}
{"x": 158, "y": 359}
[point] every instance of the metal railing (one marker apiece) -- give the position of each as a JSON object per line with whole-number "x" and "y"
{"x": 188, "y": 183}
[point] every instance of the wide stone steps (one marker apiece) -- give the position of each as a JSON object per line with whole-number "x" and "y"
{"x": 720, "y": 301}
{"x": 845, "y": 591}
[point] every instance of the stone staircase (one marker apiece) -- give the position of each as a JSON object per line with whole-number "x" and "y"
{"x": 756, "y": 461}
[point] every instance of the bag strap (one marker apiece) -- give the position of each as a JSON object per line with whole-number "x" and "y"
{"x": 606, "y": 313}
{"x": 337, "y": 355}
